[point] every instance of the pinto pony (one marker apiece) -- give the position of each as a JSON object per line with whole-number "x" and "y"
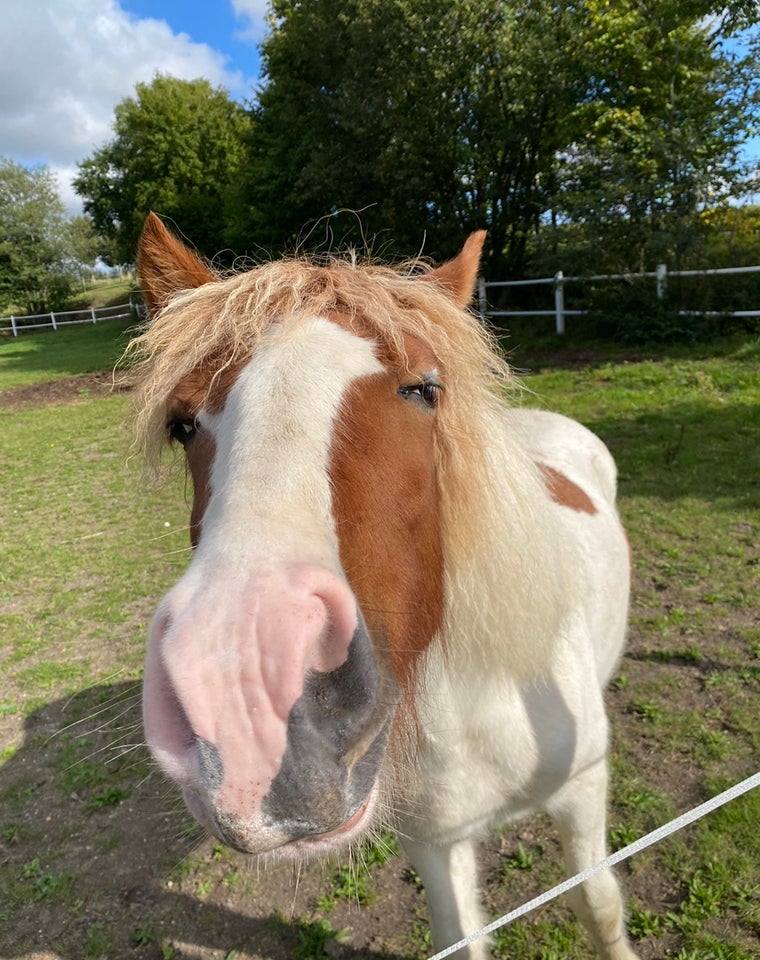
{"x": 405, "y": 597}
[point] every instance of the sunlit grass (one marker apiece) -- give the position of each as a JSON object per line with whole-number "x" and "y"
{"x": 86, "y": 546}
{"x": 52, "y": 354}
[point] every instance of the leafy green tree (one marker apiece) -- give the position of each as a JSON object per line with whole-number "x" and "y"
{"x": 178, "y": 146}
{"x": 430, "y": 118}
{"x": 555, "y": 126}
{"x": 33, "y": 275}
{"x": 82, "y": 246}
{"x": 734, "y": 235}
{"x": 656, "y": 138}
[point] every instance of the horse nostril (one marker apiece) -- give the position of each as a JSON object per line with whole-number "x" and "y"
{"x": 210, "y": 766}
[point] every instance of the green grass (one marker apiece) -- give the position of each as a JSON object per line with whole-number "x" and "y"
{"x": 101, "y": 292}
{"x": 77, "y": 545}
{"x": 52, "y": 354}
{"x": 88, "y": 547}
{"x": 686, "y": 436}
{"x": 104, "y": 293}
{"x": 314, "y": 937}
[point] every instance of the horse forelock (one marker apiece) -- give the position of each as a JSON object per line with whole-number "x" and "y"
{"x": 206, "y": 330}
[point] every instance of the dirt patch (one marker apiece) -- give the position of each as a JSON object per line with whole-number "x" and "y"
{"x": 85, "y": 386}
{"x": 75, "y": 389}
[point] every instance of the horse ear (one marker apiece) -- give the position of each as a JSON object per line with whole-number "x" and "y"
{"x": 166, "y": 265}
{"x": 458, "y": 276}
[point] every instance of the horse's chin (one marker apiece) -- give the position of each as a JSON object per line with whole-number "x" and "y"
{"x": 327, "y": 844}
{"x": 303, "y": 848}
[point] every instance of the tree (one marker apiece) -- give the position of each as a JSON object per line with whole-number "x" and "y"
{"x": 433, "y": 117}
{"x": 176, "y": 150}
{"x": 33, "y": 276}
{"x": 656, "y": 137}
{"x": 82, "y": 246}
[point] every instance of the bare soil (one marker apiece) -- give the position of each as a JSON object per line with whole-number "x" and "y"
{"x": 74, "y": 389}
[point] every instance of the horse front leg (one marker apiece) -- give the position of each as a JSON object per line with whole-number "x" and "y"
{"x": 579, "y": 811}
{"x": 449, "y": 873}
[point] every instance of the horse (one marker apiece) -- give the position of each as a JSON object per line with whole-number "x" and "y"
{"x": 406, "y": 592}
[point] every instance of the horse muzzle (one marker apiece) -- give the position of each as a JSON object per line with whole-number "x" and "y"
{"x": 266, "y": 701}
{"x": 299, "y": 834}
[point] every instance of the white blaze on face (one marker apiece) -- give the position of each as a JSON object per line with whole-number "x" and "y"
{"x": 269, "y": 484}
{"x": 264, "y": 600}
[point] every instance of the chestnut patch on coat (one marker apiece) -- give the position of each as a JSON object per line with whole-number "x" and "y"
{"x": 200, "y": 458}
{"x": 386, "y": 507}
{"x": 206, "y": 388}
{"x": 563, "y": 491}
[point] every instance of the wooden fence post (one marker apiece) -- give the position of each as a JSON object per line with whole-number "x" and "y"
{"x": 52, "y": 320}
{"x": 92, "y": 313}
{"x": 13, "y": 326}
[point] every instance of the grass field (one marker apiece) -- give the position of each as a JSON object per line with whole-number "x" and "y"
{"x": 104, "y": 292}
{"x": 51, "y": 354}
{"x": 97, "y": 858}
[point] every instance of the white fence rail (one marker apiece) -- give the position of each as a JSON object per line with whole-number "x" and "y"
{"x": 690, "y": 816}
{"x": 559, "y": 282}
{"x": 65, "y": 318}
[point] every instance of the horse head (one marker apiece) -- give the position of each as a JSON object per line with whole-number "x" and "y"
{"x": 277, "y": 664}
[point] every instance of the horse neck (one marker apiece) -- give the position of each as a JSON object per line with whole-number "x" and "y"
{"x": 503, "y": 580}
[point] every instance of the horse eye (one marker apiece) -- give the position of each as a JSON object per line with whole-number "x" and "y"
{"x": 428, "y": 392}
{"x": 182, "y": 431}
{"x": 431, "y": 393}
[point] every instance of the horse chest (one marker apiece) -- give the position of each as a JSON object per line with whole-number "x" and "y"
{"x": 494, "y": 750}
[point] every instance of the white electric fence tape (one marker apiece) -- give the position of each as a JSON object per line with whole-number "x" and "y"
{"x": 659, "y": 834}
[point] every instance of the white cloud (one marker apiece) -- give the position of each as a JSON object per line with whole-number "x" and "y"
{"x": 65, "y": 65}
{"x": 64, "y": 174}
{"x": 255, "y": 12}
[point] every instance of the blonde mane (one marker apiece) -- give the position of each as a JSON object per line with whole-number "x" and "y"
{"x": 220, "y": 324}
{"x": 487, "y": 485}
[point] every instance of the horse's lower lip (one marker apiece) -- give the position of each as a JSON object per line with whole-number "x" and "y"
{"x": 343, "y": 828}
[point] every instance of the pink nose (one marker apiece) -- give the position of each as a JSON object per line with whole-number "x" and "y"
{"x": 227, "y": 660}
{"x": 253, "y": 682}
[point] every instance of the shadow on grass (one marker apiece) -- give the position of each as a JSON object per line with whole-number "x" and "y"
{"x": 537, "y": 350}
{"x": 96, "y": 855}
{"x": 688, "y": 449}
